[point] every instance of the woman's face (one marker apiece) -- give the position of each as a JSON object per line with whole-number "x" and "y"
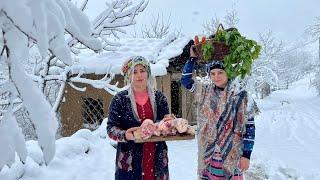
{"x": 139, "y": 77}
{"x": 219, "y": 77}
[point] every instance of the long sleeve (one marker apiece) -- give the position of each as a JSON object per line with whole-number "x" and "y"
{"x": 162, "y": 106}
{"x": 248, "y": 138}
{"x": 113, "y": 125}
{"x": 186, "y": 78}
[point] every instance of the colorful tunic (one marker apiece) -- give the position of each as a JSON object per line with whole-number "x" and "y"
{"x": 225, "y": 126}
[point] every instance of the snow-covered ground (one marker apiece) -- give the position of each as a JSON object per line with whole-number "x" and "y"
{"x": 287, "y": 146}
{"x": 287, "y": 136}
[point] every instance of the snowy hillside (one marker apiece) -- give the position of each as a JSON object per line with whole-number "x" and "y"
{"x": 288, "y": 138}
{"x": 287, "y": 146}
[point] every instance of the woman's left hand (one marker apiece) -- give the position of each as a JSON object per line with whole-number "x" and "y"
{"x": 244, "y": 164}
{"x": 129, "y": 133}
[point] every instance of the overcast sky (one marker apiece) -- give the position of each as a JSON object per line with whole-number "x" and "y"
{"x": 286, "y": 18}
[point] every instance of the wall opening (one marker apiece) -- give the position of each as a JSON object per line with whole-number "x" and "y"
{"x": 92, "y": 112}
{"x": 176, "y": 98}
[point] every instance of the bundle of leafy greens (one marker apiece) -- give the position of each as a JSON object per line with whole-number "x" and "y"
{"x": 242, "y": 52}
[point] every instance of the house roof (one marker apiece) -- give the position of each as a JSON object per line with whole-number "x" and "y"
{"x": 157, "y": 51}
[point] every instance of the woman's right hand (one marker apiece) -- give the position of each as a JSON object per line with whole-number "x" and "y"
{"x": 192, "y": 52}
{"x": 129, "y": 133}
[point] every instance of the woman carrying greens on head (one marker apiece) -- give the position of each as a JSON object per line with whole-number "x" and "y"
{"x": 225, "y": 117}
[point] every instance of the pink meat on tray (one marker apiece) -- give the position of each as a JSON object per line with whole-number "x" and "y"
{"x": 166, "y": 127}
{"x": 181, "y": 125}
{"x": 147, "y": 128}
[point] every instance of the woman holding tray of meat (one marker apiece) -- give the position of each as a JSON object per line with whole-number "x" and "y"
{"x": 225, "y": 116}
{"x": 128, "y": 109}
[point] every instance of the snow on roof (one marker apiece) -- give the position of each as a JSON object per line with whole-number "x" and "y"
{"x": 157, "y": 51}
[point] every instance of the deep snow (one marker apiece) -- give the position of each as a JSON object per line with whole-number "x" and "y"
{"x": 287, "y": 146}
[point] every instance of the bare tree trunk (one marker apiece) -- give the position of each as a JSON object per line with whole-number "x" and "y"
{"x": 319, "y": 52}
{"x": 45, "y": 72}
{"x": 57, "y": 104}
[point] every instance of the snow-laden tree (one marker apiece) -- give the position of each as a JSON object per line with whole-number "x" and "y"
{"x": 211, "y": 26}
{"x": 279, "y": 65}
{"x": 314, "y": 32}
{"x": 317, "y": 80}
{"x": 288, "y": 63}
{"x": 261, "y": 81}
{"x": 52, "y": 75}
{"x": 294, "y": 65}
{"x": 41, "y": 22}
{"x": 111, "y": 22}
{"x": 263, "y": 76}
{"x": 314, "y": 29}
{"x": 230, "y": 20}
{"x": 158, "y": 28}
{"x": 271, "y": 47}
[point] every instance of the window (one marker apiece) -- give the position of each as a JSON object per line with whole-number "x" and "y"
{"x": 92, "y": 112}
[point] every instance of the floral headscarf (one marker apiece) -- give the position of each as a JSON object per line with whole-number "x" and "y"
{"x": 128, "y": 67}
{"x": 127, "y": 70}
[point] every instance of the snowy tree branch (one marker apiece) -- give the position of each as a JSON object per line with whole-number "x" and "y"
{"x": 119, "y": 14}
{"x": 83, "y": 5}
{"x": 46, "y": 24}
{"x": 211, "y": 26}
{"x": 270, "y": 47}
{"x": 103, "y": 83}
{"x": 158, "y": 29}
{"x": 231, "y": 19}
{"x": 314, "y": 29}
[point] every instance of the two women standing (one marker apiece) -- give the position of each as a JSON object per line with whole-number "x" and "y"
{"x": 225, "y": 117}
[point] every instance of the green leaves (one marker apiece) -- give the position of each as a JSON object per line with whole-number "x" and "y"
{"x": 242, "y": 52}
{"x": 207, "y": 51}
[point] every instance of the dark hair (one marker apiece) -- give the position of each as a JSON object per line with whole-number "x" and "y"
{"x": 215, "y": 65}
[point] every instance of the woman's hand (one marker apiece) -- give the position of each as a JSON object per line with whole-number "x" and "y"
{"x": 244, "y": 164}
{"x": 129, "y": 133}
{"x": 192, "y": 53}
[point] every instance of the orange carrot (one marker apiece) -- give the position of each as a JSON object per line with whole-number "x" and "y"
{"x": 203, "y": 40}
{"x": 196, "y": 40}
